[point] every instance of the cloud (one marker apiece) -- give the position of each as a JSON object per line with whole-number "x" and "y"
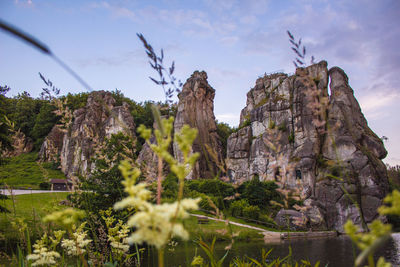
{"x": 122, "y": 58}
{"x": 374, "y": 103}
{"x": 24, "y": 3}
{"x": 116, "y": 11}
{"x": 230, "y": 118}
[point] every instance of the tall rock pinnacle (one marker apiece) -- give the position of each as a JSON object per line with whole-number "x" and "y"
{"x": 196, "y": 109}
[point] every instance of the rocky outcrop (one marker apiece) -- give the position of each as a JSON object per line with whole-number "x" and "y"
{"x": 99, "y": 119}
{"x": 52, "y": 145}
{"x": 20, "y": 144}
{"x": 292, "y": 130}
{"x": 196, "y": 109}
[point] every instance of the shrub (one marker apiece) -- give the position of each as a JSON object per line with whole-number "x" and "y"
{"x": 237, "y": 207}
{"x": 267, "y": 220}
{"x": 259, "y": 193}
{"x": 170, "y": 186}
{"x": 44, "y": 186}
{"x": 251, "y": 212}
{"x": 212, "y": 187}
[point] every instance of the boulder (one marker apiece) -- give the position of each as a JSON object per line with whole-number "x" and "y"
{"x": 291, "y": 219}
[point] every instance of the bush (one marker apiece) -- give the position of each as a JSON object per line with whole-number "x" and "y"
{"x": 251, "y": 212}
{"x": 237, "y": 207}
{"x": 268, "y": 220}
{"x": 170, "y": 186}
{"x": 44, "y": 186}
{"x": 259, "y": 193}
{"x": 212, "y": 187}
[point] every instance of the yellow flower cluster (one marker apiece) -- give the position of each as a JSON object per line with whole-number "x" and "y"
{"x": 67, "y": 217}
{"x": 42, "y": 256}
{"x": 117, "y": 235}
{"x": 76, "y": 246}
{"x": 157, "y": 224}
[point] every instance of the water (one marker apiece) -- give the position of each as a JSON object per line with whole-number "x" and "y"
{"x": 337, "y": 251}
{"x": 332, "y": 252}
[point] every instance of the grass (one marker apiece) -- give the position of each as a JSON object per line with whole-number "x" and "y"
{"x": 31, "y": 208}
{"x": 219, "y": 230}
{"x": 25, "y": 172}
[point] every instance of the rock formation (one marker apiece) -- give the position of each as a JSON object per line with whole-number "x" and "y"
{"x": 20, "y": 144}
{"x": 52, "y": 145}
{"x": 99, "y": 119}
{"x": 292, "y": 130}
{"x": 196, "y": 108}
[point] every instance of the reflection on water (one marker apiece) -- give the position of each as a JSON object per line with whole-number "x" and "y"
{"x": 337, "y": 251}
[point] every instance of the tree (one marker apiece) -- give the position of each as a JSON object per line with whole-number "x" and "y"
{"x": 224, "y": 131}
{"x": 44, "y": 122}
{"x": 5, "y": 141}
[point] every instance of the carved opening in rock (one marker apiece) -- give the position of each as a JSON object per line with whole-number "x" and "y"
{"x": 298, "y": 174}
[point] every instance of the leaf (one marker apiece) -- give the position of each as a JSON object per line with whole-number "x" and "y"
{"x": 290, "y": 35}
{"x": 155, "y": 81}
{"x": 299, "y": 61}
{"x": 172, "y": 68}
{"x": 24, "y": 36}
{"x": 43, "y": 79}
{"x": 304, "y": 51}
{"x": 294, "y": 43}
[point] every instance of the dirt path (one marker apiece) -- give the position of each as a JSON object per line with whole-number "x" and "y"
{"x": 234, "y": 223}
{"x": 270, "y": 236}
{"x": 16, "y": 192}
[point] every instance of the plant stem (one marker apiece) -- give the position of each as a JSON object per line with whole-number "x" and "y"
{"x": 159, "y": 179}
{"x": 160, "y": 257}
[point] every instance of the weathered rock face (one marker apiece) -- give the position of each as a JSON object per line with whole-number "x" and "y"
{"x": 148, "y": 161}
{"x": 20, "y": 143}
{"x": 292, "y": 129}
{"x": 99, "y": 119}
{"x": 52, "y": 145}
{"x": 196, "y": 109}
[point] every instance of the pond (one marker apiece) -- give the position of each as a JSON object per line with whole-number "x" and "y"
{"x": 337, "y": 251}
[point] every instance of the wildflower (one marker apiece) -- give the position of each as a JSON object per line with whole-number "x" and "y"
{"x": 118, "y": 237}
{"x": 198, "y": 260}
{"x": 66, "y": 218}
{"x": 394, "y": 209}
{"x": 42, "y": 256}
{"x": 157, "y": 223}
{"x": 77, "y": 245}
{"x": 365, "y": 240}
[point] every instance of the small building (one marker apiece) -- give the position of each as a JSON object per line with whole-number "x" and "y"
{"x": 61, "y": 185}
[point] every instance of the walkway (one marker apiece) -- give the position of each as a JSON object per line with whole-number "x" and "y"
{"x": 274, "y": 236}
{"x": 16, "y": 192}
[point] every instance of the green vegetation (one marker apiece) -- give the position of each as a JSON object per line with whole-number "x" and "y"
{"x": 212, "y": 229}
{"x": 25, "y": 172}
{"x": 224, "y": 131}
{"x": 271, "y": 124}
{"x": 29, "y": 208}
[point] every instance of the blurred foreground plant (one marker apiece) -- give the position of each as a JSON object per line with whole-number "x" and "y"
{"x": 156, "y": 224}
{"x": 379, "y": 233}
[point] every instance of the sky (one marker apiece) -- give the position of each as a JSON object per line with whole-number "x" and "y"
{"x": 234, "y": 41}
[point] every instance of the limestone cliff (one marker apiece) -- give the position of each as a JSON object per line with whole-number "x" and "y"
{"x": 196, "y": 108}
{"x": 52, "y": 145}
{"x": 292, "y": 128}
{"x": 99, "y": 119}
